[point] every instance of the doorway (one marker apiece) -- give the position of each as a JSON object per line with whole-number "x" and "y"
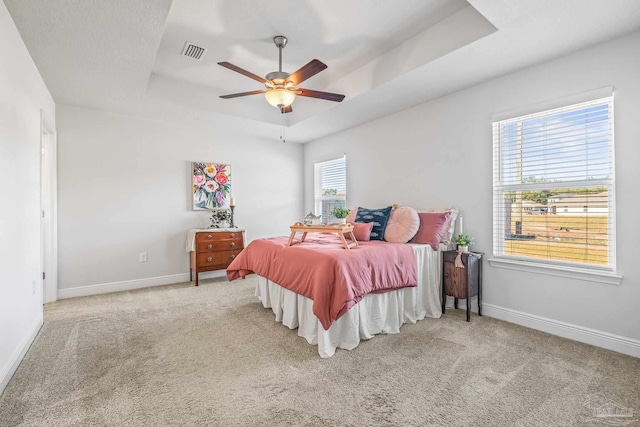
{"x": 48, "y": 214}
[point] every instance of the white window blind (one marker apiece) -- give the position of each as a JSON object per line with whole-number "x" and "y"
{"x": 330, "y": 180}
{"x": 553, "y": 184}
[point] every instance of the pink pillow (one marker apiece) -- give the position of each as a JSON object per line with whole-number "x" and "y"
{"x": 362, "y": 230}
{"x": 351, "y": 218}
{"x": 450, "y": 229}
{"x": 433, "y": 226}
{"x": 403, "y": 225}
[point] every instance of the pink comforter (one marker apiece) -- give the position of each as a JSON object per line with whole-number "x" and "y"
{"x": 321, "y": 269}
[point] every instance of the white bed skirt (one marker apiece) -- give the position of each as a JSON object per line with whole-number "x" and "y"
{"x": 374, "y": 314}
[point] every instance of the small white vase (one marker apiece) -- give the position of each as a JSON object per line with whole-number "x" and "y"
{"x": 463, "y": 248}
{"x": 341, "y": 220}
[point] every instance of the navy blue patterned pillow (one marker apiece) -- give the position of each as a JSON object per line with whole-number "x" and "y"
{"x": 379, "y": 218}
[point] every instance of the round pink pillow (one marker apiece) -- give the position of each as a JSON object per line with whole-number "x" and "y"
{"x": 403, "y": 225}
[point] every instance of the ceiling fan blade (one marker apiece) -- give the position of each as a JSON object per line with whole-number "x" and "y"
{"x": 236, "y": 95}
{"x": 241, "y": 71}
{"x": 307, "y": 71}
{"x": 285, "y": 110}
{"x": 318, "y": 94}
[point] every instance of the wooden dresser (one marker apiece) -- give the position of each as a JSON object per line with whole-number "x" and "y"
{"x": 215, "y": 249}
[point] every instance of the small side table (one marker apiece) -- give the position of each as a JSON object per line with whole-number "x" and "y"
{"x": 460, "y": 282}
{"x": 213, "y": 249}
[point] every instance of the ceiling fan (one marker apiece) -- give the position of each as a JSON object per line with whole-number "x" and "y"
{"x": 281, "y": 87}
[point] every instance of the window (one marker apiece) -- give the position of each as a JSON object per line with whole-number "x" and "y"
{"x": 554, "y": 187}
{"x": 330, "y": 182}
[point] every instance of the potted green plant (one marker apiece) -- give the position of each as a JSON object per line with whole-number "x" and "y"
{"x": 464, "y": 241}
{"x": 340, "y": 213}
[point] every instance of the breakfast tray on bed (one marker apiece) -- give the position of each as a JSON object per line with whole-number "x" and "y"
{"x": 340, "y": 230}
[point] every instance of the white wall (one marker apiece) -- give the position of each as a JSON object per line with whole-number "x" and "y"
{"x": 124, "y": 188}
{"x": 440, "y": 153}
{"x": 24, "y": 95}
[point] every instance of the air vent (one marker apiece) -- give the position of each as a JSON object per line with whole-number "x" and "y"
{"x": 193, "y": 51}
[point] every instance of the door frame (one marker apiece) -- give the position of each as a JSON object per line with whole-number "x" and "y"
{"x": 48, "y": 210}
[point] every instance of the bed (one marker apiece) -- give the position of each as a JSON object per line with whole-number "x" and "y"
{"x": 383, "y": 308}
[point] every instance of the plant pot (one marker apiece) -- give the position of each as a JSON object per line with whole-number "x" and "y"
{"x": 341, "y": 221}
{"x": 463, "y": 248}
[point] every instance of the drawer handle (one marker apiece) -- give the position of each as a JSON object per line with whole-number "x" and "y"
{"x": 209, "y": 246}
{"x": 209, "y": 236}
{"x": 233, "y": 244}
{"x": 233, "y": 256}
{"x": 209, "y": 259}
{"x": 233, "y": 234}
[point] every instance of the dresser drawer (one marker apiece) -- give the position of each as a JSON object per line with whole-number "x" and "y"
{"x": 208, "y": 237}
{"x": 217, "y": 258}
{"x": 219, "y": 245}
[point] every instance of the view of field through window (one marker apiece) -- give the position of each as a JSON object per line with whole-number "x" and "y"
{"x": 566, "y": 225}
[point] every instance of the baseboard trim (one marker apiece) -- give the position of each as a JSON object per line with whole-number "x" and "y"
{"x": 18, "y": 355}
{"x": 606, "y": 340}
{"x": 128, "y": 285}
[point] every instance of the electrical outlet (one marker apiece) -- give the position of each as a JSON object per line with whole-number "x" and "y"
{"x": 33, "y": 287}
{"x": 143, "y": 257}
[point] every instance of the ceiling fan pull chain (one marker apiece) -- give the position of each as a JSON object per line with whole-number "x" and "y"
{"x": 282, "y": 127}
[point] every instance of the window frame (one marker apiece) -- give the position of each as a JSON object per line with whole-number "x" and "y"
{"x": 605, "y": 274}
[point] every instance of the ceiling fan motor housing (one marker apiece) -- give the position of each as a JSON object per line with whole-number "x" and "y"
{"x": 274, "y": 76}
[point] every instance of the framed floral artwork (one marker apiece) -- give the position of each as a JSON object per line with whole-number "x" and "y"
{"x": 211, "y": 186}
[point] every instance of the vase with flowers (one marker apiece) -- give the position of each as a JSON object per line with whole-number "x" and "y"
{"x": 220, "y": 218}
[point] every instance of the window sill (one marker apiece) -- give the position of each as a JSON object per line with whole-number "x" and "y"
{"x": 560, "y": 271}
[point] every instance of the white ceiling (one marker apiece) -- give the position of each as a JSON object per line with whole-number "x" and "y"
{"x": 124, "y": 56}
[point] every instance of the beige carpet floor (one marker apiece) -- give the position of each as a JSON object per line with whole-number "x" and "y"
{"x": 181, "y": 355}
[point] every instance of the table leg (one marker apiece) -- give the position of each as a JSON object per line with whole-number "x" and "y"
{"x": 293, "y": 233}
{"x": 344, "y": 242}
{"x": 444, "y": 294}
{"x": 353, "y": 237}
{"x": 480, "y": 287}
{"x": 193, "y": 266}
{"x": 304, "y": 236}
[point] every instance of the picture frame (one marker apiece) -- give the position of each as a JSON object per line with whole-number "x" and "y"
{"x": 211, "y": 185}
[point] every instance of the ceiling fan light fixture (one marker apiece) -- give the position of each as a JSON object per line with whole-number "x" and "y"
{"x": 280, "y": 97}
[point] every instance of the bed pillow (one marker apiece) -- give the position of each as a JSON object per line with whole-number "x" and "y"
{"x": 379, "y": 218}
{"x": 403, "y": 225}
{"x": 352, "y": 216}
{"x": 362, "y": 230}
{"x": 451, "y": 223}
{"x": 433, "y": 226}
